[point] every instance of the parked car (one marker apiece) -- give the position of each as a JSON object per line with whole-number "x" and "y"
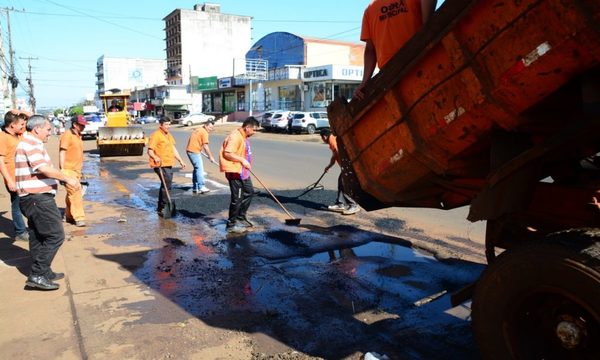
{"x": 279, "y": 121}
{"x": 146, "y": 120}
{"x": 265, "y": 122}
{"x": 196, "y": 119}
{"x": 94, "y": 121}
{"x": 309, "y": 122}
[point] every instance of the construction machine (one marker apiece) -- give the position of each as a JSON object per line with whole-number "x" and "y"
{"x": 496, "y": 105}
{"x": 118, "y": 137}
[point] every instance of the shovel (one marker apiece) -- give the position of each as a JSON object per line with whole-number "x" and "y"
{"x": 169, "y": 209}
{"x": 291, "y": 220}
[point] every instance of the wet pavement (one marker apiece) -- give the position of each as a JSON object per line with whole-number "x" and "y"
{"x": 328, "y": 288}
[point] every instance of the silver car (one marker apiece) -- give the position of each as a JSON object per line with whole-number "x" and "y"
{"x": 196, "y": 119}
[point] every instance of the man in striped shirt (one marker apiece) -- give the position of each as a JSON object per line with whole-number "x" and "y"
{"x": 36, "y": 181}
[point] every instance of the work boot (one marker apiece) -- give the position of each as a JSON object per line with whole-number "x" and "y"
{"x": 55, "y": 275}
{"x": 80, "y": 223}
{"x": 244, "y": 222}
{"x": 204, "y": 189}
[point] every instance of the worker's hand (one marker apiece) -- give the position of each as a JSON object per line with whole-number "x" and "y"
{"x": 12, "y": 186}
{"x": 358, "y": 93}
{"x": 156, "y": 159}
{"x": 182, "y": 164}
{"x": 73, "y": 183}
{"x": 327, "y": 168}
{"x": 246, "y": 164}
{"x": 212, "y": 160}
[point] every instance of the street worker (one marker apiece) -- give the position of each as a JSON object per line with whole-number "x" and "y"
{"x": 12, "y": 132}
{"x": 70, "y": 160}
{"x": 162, "y": 155}
{"x": 386, "y": 26}
{"x": 36, "y": 186}
{"x": 344, "y": 203}
{"x": 197, "y": 143}
{"x": 235, "y": 159}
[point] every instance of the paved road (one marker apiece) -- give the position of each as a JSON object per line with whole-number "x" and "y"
{"x": 139, "y": 286}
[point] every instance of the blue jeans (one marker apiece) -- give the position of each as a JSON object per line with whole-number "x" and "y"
{"x": 198, "y": 174}
{"x": 17, "y": 216}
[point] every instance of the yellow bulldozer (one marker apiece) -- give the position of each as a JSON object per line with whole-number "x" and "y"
{"x": 119, "y": 137}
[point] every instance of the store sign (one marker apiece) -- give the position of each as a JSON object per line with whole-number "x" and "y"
{"x": 348, "y": 73}
{"x": 316, "y": 73}
{"x": 206, "y": 83}
{"x": 225, "y": 83}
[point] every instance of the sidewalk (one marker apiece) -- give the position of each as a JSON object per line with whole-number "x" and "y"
{"x": 99, "y": 310}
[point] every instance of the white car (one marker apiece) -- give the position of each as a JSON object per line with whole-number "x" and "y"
{"x": 309, "y": 122}
{"x": 196, "y": 119}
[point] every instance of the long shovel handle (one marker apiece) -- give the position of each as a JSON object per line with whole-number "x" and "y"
{"x": 162, "y": 179}
{"x": 270, "y": 193}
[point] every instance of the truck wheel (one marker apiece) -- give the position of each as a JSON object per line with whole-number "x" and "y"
{"x": 311, "y": 129}
{"x": 541, "y": 300}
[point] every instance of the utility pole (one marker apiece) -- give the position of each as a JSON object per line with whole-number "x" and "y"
{"x": 12, "y": 78}
{"x": 30, "y": 82}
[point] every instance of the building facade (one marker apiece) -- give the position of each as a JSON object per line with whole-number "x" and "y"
{"x": 128, "y": 73}
{"x": 204, "y": 42}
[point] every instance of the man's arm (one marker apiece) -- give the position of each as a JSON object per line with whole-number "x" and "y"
{"x": 153, "y": 155}
{"x": 53, "y": 173}
{"x": 233, "y": 157}
{"x": 61, "y": 158}
{"x": 178, "y": 157}
{"x": 10, "y": 181}
{"x": 427, "y": 9}
{"x": 370, "y": 61}
{"x": 207, "y": 151}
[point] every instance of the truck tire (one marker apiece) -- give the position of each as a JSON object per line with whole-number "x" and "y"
{"x": 311, "y": 129}
{"x": 541, "y": 300}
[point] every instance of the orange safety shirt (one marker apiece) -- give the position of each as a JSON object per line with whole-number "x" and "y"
{"x": 8, "y": 148}
{"x": 389, "y": 24}
{"x": 197, "y": 140}
{"x": 334, "y": 148}
{"x": 163, "y": 145}
{"x": 72, "y": 144}
{"x": 235, "y": 143}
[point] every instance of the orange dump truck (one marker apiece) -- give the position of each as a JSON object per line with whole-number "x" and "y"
{"x": 496, "y": 105}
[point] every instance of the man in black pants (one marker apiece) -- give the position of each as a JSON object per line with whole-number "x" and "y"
{"x": 36, "y": 181}
{"x": 235, "y": 160}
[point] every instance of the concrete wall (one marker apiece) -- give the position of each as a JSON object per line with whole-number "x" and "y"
{"x": 210, "y": 42}
{"x": 125, "y": 73}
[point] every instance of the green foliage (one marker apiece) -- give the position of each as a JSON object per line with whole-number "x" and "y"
{"x": 76, "y": 110}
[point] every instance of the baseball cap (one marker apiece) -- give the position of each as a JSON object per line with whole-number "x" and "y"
{"x": 81, "y": 120}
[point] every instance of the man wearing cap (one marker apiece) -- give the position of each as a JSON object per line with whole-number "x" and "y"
{"x": 14, "y": 127}
{"x": 70, "y": 160}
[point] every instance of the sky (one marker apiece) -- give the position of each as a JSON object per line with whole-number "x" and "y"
{"x": 65, "y": 38}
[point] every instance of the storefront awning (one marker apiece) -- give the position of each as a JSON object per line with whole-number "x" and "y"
{"x": 168, "y": 107}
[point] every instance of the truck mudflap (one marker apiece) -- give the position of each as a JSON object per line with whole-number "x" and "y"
{"x": 421, "y": 134}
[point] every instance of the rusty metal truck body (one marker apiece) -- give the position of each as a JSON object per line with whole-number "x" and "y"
{"x": 496, "y": 105}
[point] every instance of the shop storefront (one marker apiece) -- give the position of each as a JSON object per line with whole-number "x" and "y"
{"x": 322, "y": 84}
{"x": 227, "y": 98}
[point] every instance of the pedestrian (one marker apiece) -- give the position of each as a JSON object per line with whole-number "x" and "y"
{"x": 386, "y": 26}
{"x": 344, "y": 203}
{"x": 12, "y": 132}
{"x": 70, "y": 159}
{"x": 197, "y": 143}
{"x": 162, "y": 155}
{"x": 36, "y": 185}
{"x": 235, "y": 160}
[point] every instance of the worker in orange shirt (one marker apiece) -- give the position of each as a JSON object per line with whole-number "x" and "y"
{"x": 344, "y": 203}
{"x": 235, "y": 159}
{"x": 12, "y": 131}
{"x": 197, "y": 143}
{"x": 162, "y": 155}
{"x": 70, "y": 161}
{"x": 386, "y": 26}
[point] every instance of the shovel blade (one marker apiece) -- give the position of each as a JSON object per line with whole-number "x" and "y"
{"x": 169, "y": 210}
{"x": 293, "y": 222}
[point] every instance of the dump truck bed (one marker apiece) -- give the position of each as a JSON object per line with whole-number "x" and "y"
{"x": 422, "y": 134}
